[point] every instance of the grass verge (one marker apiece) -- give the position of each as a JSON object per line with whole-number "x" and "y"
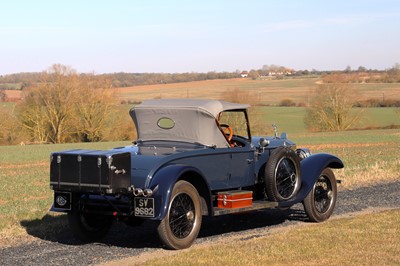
{"x": 369, "y": 239}
{"x": 25, "y": 194}
{"x": 370, "y": 156}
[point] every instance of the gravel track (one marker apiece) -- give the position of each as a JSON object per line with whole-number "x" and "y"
{"x": 125, "y": 241}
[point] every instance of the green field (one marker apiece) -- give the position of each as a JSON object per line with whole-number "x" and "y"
{"x": 6, "y": 105}
{"x": 24, "y": 177}
{"x": 291, "y": 119}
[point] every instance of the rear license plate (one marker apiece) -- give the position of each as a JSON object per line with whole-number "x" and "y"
{"x": 144, "y": 207}
{"x": 62, "y": 200}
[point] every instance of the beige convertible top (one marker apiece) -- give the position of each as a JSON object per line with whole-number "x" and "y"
{"x": 191, "y": 120}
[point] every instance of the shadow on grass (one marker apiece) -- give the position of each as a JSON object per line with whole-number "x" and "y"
{"x": 49, "y": 227}
{"x": 55, "y": 228}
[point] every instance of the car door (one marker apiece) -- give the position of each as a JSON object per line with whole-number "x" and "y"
{"x": 241, "y": 171}
{"x": 213, "y": 164}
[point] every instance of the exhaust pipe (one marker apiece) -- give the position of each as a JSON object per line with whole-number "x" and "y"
{"x": 147, "y": 192}
{"x": 137, "y": 192}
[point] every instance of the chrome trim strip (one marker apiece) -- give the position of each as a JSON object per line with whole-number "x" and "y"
{"x": 77, "y": 184}
{"x": 234, "y": 200}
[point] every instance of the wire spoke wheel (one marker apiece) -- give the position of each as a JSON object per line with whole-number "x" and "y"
{"x": 182, "y": 216}
{"x": 321, "y": 200}
{"x": 286, "y": 182}
{"x": 322, "y": 194}
{"x": 282, "y": 174}
{"x": 181, "y": 224}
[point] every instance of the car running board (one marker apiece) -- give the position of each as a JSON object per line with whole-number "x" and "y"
{"x": 257, "y": 205}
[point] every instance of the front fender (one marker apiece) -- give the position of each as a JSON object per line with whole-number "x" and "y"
{"x": 162, "y": 184}
{"x": 311, "y": 168}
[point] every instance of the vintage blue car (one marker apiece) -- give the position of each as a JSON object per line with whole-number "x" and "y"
{"x": 192, "y": 158}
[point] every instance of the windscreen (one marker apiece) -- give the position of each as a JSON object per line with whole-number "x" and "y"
{"x": 237, "y": 121}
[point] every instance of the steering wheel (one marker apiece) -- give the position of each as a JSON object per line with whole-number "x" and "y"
{"x": 225, "y": 129}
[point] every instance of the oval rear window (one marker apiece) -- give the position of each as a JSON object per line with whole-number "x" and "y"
{"x": 166, "y": 123}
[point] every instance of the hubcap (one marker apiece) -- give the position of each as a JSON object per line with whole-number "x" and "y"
{"x": 190, "y": 216}
{"x": 323, "y": 195}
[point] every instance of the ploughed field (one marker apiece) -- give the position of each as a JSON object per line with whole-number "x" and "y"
{"x": 266, "y": 92}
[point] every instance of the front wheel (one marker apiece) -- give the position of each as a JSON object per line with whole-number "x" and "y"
{"x": 321, "y": 200}
{"x": 282, "y": 174}
{"x": 89, "y": 227}
{"x": 181, "y": 224}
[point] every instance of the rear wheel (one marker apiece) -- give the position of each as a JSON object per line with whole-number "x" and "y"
{"x": 89, "y": 227}
{"x": 182, "y": 222}
{"x": 321, "y": 200}
{"x": 134, "y": 221}
{"x": 282, "y": 174}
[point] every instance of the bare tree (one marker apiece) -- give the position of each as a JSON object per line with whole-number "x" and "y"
{"x": 46, "y": 109}
{"x": 94, "y": 104}
{"x": 66, "y": 107}
{"x": 10, "y": 129}
{"x": 331, "y": 108}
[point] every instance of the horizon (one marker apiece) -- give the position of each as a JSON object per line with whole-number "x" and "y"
{"x": 179, "y": 37}
{"x": 173, "y": 73}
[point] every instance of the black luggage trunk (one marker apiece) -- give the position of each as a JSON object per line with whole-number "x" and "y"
{"x": 91, "y": 171}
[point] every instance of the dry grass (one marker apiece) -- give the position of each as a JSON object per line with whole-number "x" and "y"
{"x": 347, "y": 241}
{"x": 370, "y": 156}
{"x": 366, "y": 164}
{"x": 267, "y": 91}
{"x": 377, "y": 172}
{"x": 270, "y": 92}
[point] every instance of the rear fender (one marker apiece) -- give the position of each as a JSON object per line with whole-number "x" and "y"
{"x": 311, "y": 168}
{"x": 162, "y": 184}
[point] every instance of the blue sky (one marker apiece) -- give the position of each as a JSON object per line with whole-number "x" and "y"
{"x": 198, "y": 36}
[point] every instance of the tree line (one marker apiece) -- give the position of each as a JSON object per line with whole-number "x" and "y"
{"x": 389, "y": 76}
{"x": 25, "y": 80}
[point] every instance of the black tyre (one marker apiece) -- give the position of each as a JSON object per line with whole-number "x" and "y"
{"x": 181, "y": 225}
{"x": 134, "y": 221}
{"x": 89, "y": 227}
{"x": 321, "y": 200}
{"x": 282, "y": 174}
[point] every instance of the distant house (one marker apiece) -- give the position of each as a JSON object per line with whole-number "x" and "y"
{"x": 285, "y": 72}
{"x": 244, "y": 74}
